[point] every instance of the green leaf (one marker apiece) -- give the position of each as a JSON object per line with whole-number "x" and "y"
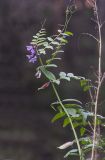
{"x": 98, "y": 122}
{"x": 70, "y": 75}
{"x": 57, "y": 58}
{"x": 59, "y": 108}
{"x": 38, "y": 34}
{"x": 34, "y": 40}
{"x": 88, "y": 146}
{"x": 64, "y": 35}
{"x": 72, "y": 100}
{"x": 66, "y": 122}
{"x": 55, "y": 43}
{"x": 72, "y": 105}
{"x": 42, "y": 34}
{"x": 45, "y": 44}
{"x": 50, "y": 39}
{"x": 55, "y": 103}
{"x": 42, "y": 51}
{"x": 50, "y": 60}
{"x": 50, "y": 65}
{"x": 59, "y": 38}
{"x": 101, "y": 117}
{"x": 72, "y": 152}
{"x": 58, "y": 51}
{"x": 48, "y": 74}
{"x": 62, "y": 74}
{"x": 58, "y": 116}
{"x": 71, "y": 111}
{"x": 84, "y": 82}
{"x": 33, "y": 43}
{"x": 69, "y": 33}
{"x": 49, "y": 47}
{"x": 86, "y": 88}
{"x": 87, "y": 150}
{"x": 85, "y": 115}
{"x": 82, "y": 131}
{"x": 40, "y": 42}
{"x": 35, "y": 37}
{"x": 65, "y": 78}
{"x": 76, "y": 124}
{"x": 85, "y": 140}
{"x": 62, "y": 39}
{"x": 57, "y": 81}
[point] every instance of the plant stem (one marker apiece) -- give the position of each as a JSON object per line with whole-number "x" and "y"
{"x": 57, "y": 95}
{"x": 70, "y": 120}
{"x": 99, "y": 83}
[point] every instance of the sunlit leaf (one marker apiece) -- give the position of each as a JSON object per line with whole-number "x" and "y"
{"x": 69, "y": 33}
{"x": 66, "y": 122}
{"x": 76, "y": 124}
{"x": 86, "y": 88}
{"x": 58, "y": 116}
{"x": 82, "y": 131}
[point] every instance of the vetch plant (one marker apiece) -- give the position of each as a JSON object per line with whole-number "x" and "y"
{"x": 43, "y": 51}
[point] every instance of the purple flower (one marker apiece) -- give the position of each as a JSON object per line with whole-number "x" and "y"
{"x": 32, "y": 57}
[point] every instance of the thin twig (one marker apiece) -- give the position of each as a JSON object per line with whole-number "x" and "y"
{"x": 88, "y": 34}
{"x": 98, "y": 85}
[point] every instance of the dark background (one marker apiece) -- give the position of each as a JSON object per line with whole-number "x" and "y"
{"x": 26, "y": 132}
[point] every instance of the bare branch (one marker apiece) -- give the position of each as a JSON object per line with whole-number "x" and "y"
{"x": 90, "y": 35}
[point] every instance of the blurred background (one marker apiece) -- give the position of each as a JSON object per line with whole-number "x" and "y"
{"x": 26, "y": 131}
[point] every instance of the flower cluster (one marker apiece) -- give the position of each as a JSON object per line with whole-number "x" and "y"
{"x": 32, "y": 57}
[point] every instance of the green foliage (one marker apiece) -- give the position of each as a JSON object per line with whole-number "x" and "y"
{"x": 85, "y": 84}
{"x": 82, "y": 131}
{"x": 72, "y": 152}
{"x": 70, "y": 111}
{"x": 48, "y": 74}
{"x": 58, "y": 116}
